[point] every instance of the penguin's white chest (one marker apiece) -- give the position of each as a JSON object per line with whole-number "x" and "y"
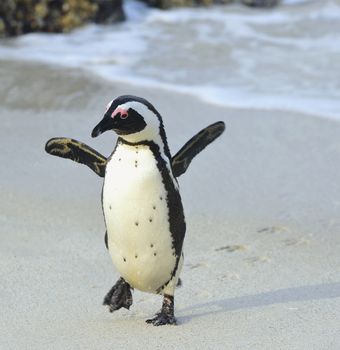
{"x": 137, "y": 218}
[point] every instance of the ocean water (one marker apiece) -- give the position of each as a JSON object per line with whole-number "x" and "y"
{"x": 287, "y": 58}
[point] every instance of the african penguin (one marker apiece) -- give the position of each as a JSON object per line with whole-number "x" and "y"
{"x": 142, "y": 206}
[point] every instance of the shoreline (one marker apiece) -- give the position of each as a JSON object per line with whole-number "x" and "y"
{"x": 80, "y": 73}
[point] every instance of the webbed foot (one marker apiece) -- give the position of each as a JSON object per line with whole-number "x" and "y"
{"x": 166, "y": 315}
{"x": 162, "y": 319}
{"x": 119, "y": 296}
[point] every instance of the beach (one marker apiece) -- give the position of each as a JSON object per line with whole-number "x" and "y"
{"x": 262, "y": 204}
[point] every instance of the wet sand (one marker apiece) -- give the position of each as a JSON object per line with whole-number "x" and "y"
{"x": 262, "y": 208}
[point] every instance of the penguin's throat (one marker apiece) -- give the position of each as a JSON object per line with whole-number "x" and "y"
{"x": 156, "y": 146}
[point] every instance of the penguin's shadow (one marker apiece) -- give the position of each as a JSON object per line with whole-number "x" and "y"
{"x": 280, "y": 296}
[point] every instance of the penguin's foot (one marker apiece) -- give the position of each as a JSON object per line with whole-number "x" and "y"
{"x": 119, "y": 296}
{"x": 166, "y": 315}
{"x": 162, "y": 319}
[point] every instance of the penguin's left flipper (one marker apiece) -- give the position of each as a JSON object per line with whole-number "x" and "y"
{"x": 182, "y": 159}
{"x": 77, "y": 151}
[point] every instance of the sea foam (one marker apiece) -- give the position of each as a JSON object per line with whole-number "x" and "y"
{"x": 286, "y": 58}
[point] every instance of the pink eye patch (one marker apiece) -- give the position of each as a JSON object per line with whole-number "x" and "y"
{"x": 123, "y": 113}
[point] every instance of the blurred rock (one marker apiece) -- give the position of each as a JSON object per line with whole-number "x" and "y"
{"x": 109, "y": 11}
{"x": 260, "y": 3}
{"x": 165, "y": 4}
{"x": 25, "y": 16}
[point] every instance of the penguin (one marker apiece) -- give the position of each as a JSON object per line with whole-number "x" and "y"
{"x": 142, "y": 206}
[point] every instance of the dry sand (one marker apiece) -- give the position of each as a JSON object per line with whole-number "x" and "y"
{"x": 262, "y": 261}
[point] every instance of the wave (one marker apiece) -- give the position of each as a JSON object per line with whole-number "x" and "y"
{"x": 284, "y": 58}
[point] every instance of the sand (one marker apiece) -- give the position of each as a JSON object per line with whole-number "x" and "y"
{"x": 262, "y": 262}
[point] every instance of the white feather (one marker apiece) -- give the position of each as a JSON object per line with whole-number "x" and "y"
{"x": 137, "y": 218}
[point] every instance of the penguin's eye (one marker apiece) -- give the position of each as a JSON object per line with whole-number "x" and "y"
{"x": 123, "y": 114}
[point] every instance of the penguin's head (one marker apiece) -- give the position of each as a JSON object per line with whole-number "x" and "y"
{"x": 133, "y": 118}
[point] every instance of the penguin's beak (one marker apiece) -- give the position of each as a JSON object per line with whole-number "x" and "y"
{"x": 105, "y": 124}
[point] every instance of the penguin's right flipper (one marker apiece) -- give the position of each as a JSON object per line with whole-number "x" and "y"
{"x": 77, "y": 151}
{"x": 182, "y": 159}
